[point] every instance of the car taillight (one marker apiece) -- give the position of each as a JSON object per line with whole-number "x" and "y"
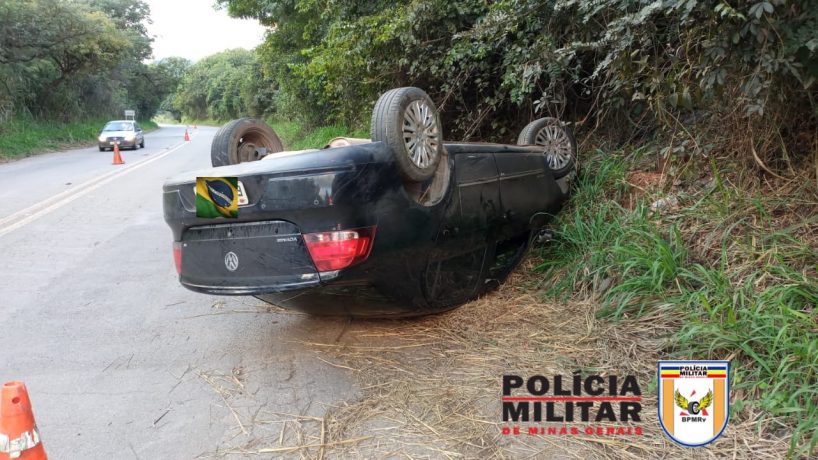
{"x": 177, "y": 256}
{"x": 339, "y": 249}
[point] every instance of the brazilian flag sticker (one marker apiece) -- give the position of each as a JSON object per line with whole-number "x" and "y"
{"x": 217, "y": 197}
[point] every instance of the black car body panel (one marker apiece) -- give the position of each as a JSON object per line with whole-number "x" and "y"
{"x": 424, "y": 258}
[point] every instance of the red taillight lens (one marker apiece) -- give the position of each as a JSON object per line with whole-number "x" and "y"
{"x": 177, "y": 256}
{"x": 337, "y": 250}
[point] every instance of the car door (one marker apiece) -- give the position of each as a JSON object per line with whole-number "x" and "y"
{"x": 138, "y": 133}
{"x": 527, "y": 189}
{"x": 457, "y": 262}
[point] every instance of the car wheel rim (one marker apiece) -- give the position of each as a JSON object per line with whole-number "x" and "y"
{"x": 253, "y": 145}
{"x": 247, "y": 152}
{"x": 420, "y": 134}
{"x": 558, "y": 148}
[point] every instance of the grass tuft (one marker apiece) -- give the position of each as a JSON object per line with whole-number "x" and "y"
{"x": 296, "y": 137}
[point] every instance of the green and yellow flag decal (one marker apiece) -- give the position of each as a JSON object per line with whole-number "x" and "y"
{"x": 217, "y": 197}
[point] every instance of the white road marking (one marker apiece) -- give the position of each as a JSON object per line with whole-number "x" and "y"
{"x": 32, "y": 213}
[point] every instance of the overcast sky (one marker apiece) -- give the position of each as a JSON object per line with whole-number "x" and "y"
{"x": 193, "y": 29}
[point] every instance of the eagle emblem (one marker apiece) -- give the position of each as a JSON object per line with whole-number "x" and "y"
{"x": 694, "y": 400}
{"x": 694, "y": 407}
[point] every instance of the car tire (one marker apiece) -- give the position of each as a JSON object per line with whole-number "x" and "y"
{"x": 142, "y": 144}
{"x": 407, "y": 121}
{"x": 243, "y": 140}
{"x": 102, "y": 149}
{"x": 558, "y": 141}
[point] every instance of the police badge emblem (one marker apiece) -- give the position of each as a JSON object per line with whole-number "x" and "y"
{"x": 694, "y": 400}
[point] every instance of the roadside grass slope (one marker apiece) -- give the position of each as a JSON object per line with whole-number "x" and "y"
{"x": 23, "y": 137}
{"x": 729, "y": 266}
{"x": 296, "y": 137}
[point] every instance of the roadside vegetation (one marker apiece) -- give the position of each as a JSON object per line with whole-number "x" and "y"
{"x": 725, "y": 261}
{"x": 22, "y": 137}
{"x": 294, "y": 134}
{"x": 222, "y": 86}
{"x": 67, "y": 66}
{"x": 296, "y": 137}
{"x": 492, "y": 65}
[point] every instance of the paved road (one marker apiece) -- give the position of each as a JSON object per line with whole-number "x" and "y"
{"x": 119, "y": 359}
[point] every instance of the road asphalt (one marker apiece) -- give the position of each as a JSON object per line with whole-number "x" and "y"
{"x": 120, "y": 360}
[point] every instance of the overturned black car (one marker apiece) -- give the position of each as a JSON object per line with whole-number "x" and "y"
{"x": 402, "y": 224}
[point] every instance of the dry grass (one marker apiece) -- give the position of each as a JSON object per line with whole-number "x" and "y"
{"x": 430, "y": 387}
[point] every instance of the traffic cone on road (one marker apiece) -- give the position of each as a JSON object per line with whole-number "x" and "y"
{"x": 187, "y": 136}
{"x": 19, "y": 437}
{"x": 117, "y": 156}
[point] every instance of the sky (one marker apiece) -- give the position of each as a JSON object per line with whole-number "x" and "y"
{"x": 193, "y": 29}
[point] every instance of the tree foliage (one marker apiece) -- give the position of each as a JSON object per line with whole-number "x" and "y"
{"x": 70, "y": 59}
{"x": 222, "y": 86}
{"x": 490, "y": 65}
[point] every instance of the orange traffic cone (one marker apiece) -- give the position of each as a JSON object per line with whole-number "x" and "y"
{"x": 187, "y": 136}
{"x": 19, "y": 437}
{"x": 117, "y": 156}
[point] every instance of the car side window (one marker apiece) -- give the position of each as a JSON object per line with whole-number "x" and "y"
{"x": 137, "y": 127}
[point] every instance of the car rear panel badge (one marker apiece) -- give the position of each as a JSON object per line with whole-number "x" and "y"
{"x": 694, "y": 400}
{"x": 217, "y": 197}
{"x": 231, "y": 261}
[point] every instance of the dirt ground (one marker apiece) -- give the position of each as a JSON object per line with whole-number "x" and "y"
{"x": 430, "y": 387}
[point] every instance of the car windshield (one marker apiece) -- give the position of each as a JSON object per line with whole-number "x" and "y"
{"x": 118, "y": 126}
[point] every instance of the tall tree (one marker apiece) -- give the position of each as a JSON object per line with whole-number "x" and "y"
{"x": 71, "y": 58}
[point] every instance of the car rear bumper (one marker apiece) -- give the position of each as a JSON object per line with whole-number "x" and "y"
{"x": 122, "y": 144}
{"x": 361, "y": 299}
{"x": 258, "y": 289}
